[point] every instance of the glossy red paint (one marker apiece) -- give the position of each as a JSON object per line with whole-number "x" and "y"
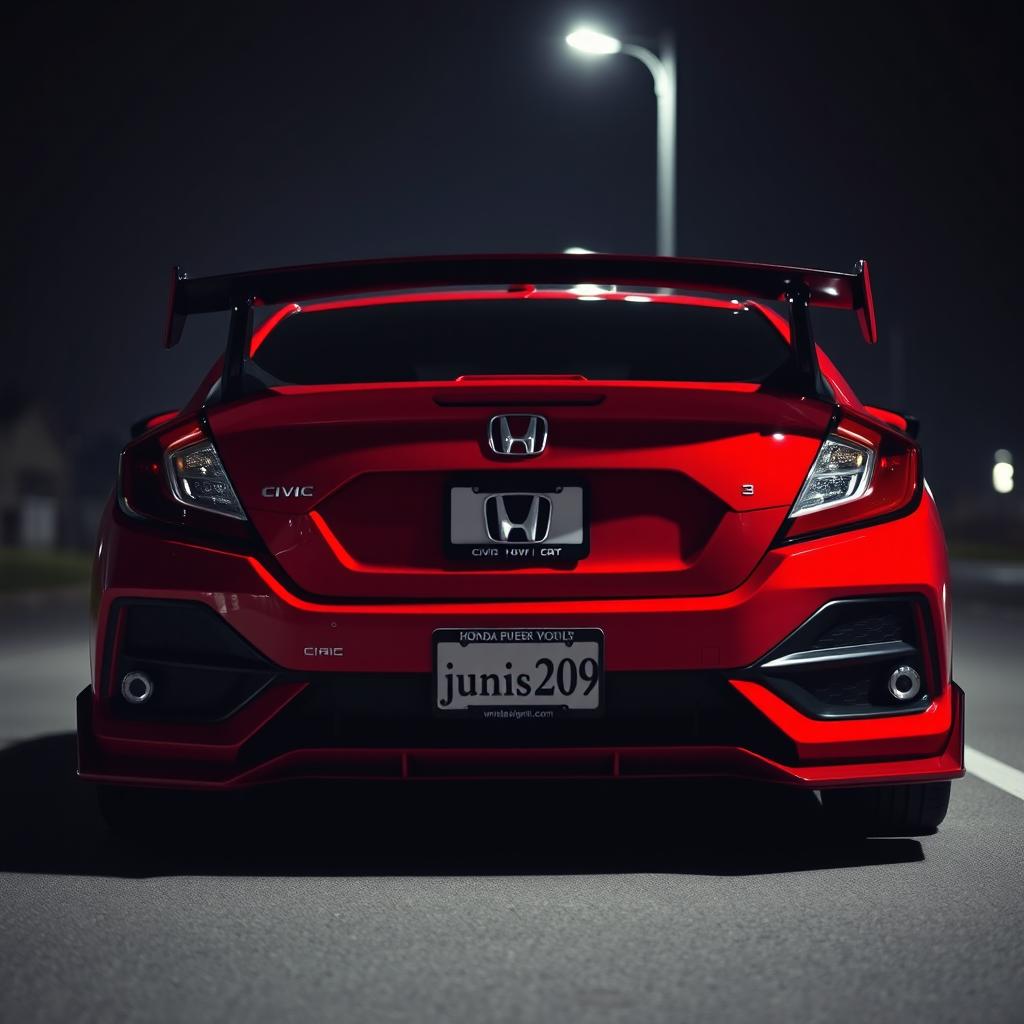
{"x": 527, "y": 293}
{"x": 160, "y": 419}
{"x": 666, "y": 466}
{"x": 687, "y": 571}
{"x": 652, "y": 633}
{"x": 270, "y": 323}
{"x": 894, "y": 419}
{"x": 866, "y": 312}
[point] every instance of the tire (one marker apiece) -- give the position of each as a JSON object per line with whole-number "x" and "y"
{"x": 911, "y": 810}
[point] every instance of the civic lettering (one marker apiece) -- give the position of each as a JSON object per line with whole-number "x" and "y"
{"x": 287, "y": 491}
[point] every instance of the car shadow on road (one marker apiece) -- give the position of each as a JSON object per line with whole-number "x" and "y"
{"x": 51, "y": 826}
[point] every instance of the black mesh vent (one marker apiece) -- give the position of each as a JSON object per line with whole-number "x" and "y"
{"x": 184, "y": 631}
{"x": 849, "y": 688}
{"x": 201, "y": 669}
{"x": 882, "y": 627}
{"x": 855, "y": 685}
{"x": 837, "y": 691}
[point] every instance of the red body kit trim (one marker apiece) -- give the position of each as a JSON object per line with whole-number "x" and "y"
{"x": 530, "y": 763}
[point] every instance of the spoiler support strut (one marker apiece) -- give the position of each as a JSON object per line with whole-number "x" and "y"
{"x": 239, "y": 336}
{"x": 801, "y": 337}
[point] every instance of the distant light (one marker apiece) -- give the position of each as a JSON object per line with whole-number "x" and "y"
{"x": 638, "y": 298}
{"x": 1002, "y": 472}
{"x": 577, "y": 250}
{"x": 778, "y": 437}
{"x": 588, "y": 40}
{"x": 590, "y": 298}
{"x": 1002, "y": 477}
{"x": 589, "y": 289}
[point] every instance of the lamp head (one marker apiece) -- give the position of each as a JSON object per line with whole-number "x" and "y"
{"x": 588, "y": 40}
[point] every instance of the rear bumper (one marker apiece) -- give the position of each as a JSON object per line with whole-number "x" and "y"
{"x": 705, "y": 635}
{"x": 167, "y": 768}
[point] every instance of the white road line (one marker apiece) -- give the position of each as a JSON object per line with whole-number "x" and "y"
{"x": 1010, "y": 780}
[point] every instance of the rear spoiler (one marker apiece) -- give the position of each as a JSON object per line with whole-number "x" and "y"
{"x": 799, "y": 286}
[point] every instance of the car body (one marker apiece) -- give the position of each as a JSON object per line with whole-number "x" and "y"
{"x": 447, "y": 525}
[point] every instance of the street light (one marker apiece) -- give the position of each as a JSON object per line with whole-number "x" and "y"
{"x": 662, "y": 67}
{"x": 590, "y": 41}
{"x": 1002, "y": 472}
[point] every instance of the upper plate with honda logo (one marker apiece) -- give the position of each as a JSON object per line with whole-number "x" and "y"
{"x": 520, "y": 517}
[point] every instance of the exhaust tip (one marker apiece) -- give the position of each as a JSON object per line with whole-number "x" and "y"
{"x": 136, "y": 687}
{"x": 904, "y": 683}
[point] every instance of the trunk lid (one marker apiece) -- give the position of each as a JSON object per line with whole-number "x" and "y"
{"x": 348, "y": 485}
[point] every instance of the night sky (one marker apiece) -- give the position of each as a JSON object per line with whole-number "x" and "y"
{"x": 237, "y": 135}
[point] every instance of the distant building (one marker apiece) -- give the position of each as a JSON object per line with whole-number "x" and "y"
{"x": 34, "y": 478}
{"x": 94, "y": 468}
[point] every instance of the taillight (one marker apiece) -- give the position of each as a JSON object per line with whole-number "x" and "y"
{"x": 198, "y": 479}
{"x": 861, "y": 473}
{"x": 176, "y": 477}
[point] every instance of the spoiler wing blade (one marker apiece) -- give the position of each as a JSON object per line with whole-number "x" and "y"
{"x": 824, "y": 288}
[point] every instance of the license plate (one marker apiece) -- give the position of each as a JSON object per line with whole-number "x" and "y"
{"x": 518, "y": 673}
{"x": 517, "y": 519}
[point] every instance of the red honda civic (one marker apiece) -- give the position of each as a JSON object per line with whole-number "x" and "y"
{"x": 438, "y": 519}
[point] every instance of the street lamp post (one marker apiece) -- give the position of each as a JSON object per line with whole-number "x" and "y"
{"x": 662, "y": 67}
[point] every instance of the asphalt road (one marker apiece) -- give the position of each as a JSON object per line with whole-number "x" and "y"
{"x": 506, "y": 903}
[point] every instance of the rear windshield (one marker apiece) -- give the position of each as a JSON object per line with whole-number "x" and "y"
{"x": 602, "y": 340}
